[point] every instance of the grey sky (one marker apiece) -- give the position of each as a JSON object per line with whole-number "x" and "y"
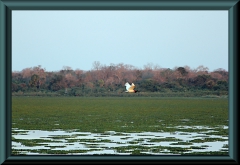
{"x": 54, "y": 39}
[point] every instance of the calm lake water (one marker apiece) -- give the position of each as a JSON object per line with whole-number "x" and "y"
{"x": 117, "y": 143}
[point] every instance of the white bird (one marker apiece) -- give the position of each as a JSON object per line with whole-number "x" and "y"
{"x": 130, "y": 88}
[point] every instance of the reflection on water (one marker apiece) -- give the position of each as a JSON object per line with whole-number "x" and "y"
{"x": 112, "y": 142}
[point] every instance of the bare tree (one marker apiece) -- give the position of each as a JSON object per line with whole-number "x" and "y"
{"x": 96, "y": 65}
{"x": 148, "y": 66}
{"x": 67, "y": 68}
{"x": 201, "y": 70}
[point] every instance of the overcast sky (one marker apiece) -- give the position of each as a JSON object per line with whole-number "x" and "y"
{"x": 54, "y": 39}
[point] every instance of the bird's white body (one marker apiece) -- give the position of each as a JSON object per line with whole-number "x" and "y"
{"x": 130, "y": 88}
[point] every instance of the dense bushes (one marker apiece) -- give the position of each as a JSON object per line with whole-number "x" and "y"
{"x": 109, "y": 81}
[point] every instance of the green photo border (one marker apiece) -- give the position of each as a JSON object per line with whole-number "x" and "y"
{"x": 6, "y": 7}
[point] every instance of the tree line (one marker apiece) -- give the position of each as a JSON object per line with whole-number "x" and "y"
{"x": 104, "y": 80}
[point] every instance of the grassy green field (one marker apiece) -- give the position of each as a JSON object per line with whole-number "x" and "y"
{"x": 121, "y": 114}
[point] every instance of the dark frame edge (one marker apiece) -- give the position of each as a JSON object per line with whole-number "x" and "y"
{"x": 233, "y": 80}
{"x": 120, "y": 4}
{"x": 3, "y": 104}
{"x": 9, "y": 81}
{"x": 5, "y": 81}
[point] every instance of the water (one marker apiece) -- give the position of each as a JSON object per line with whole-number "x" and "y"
{"x": 111, "y": 142}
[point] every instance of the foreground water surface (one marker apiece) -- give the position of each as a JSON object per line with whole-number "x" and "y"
{"x": 30, "y": 142}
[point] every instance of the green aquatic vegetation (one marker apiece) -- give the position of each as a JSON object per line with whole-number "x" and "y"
{"x": 138, "y": 152}
{"x": 125, "y": 138}
{"x": 169, "y": 149}
{"x": 56, "y": 152}
{"x": 192, "y": 130}
{"x": 183, "y": 133}
{"x": 181, "y": 143}
{"x": 33, "y": 142}
{"x": 136, "y": 141}
{"x": 130, "y": 148}
{"x": 212, "y": 153}
{"x": 146, "y": 135}
{"x": 72, "y": 140}
{"x": 197, "y": 147}
{"x": 19, "y": 132}
{"x": 59, "y": 136}
{"x": 95, "y": 140}
{"x": 75, "y": 135}
{"x": 98, "y": 115}
{"x": 177, "y": 150}
{"x": 17, "y": 152}
{"x": 71, "y": 130}
{"x": 157, "y": 150}
{"x": 120, "y": 142}
{"x": 53, "y": 147}
{"x": 61, "y": 151}
{"x": 148, "y": 144}
{"x": 133, "y": 142}
{"x": 92, "y": 145}
{"x": 225, "y": 146}
{"x": 164, "y": 139}
{"x": 140, "y": 139}
{"x": 204, "y": 146}
{"x": 219, "y": 131}
{"x": 120, "y": 134}
{"x": 137, "y": 149}
{"x": 104, "y": 141}
{"x": 22, "y": 134}
{"x": 223, "y": 150}
{"x": 200, "y": 136}
{"x": 101, "y": 136}
{"x": 202, "y": 140}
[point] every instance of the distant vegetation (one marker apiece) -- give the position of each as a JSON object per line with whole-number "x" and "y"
{"x": 104, "y": 80}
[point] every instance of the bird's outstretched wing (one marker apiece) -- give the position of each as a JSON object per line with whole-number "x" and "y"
{"x": 127, "y": 86}
{"x": 131, "y": 87}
